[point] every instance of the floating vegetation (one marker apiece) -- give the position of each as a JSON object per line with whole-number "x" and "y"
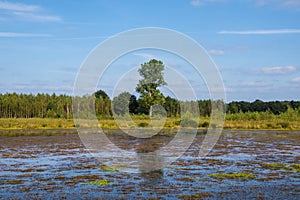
{"x": 13, "y": 182}
{"x": 233, "y": 176}
{"x": 282, "y": 166}
{"x": 102, "y": 182}
{"x": 187, "y": 179}
{"x": 295, "y": 167}
{"x": 60, "y": 177}
{"x": 275, "y": 166}
{"x": 202, "y": 195}
{"x": 109, "y": 168}
{"x": 62, "y": 164}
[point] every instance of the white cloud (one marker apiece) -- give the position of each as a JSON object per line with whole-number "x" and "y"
{"x": 26, "y": 12}
{"x": 261, "y": 32}
{"x": 4, "y": 5}
{"x": 12, "y": 34}
{"x": 278, "y": 70}
{"x": 291, "y": 3}
{"x": 196, "y": 3}
{"x": 216, "y": 52}
{"x": 261, "y": 2}
{"x": 44, "y": 87}
{"x": 202, "y": 2}
{"x": 146, "y": 56}
{"x": 221, "y": 89}
{"x": 255, "y": 84}
{"x": 36, "y": 17}
{"x": 296, "y": 80}
{"x": 287, "y": 4}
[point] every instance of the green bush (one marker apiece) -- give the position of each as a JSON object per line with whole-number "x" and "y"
{"x": 143, "y": 124}
{"x": 205, "y": 124}
{"x": 283, "y": 124}
{"x": 189, "y": 123}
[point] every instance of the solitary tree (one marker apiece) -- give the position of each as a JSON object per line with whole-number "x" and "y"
{"x": 152, "y": 78}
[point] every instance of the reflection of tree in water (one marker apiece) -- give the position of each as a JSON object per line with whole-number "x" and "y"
{"x": 140, "y": 145}
{"x": 150, "y": 163}
{"x": 153, "y": 175}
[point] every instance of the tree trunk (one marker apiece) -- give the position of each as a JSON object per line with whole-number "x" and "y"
{"x": 68, "y": 111}
{"x": 151, "y": 111}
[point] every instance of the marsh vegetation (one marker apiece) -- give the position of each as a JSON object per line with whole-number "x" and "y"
{"x": 243, "y": 164}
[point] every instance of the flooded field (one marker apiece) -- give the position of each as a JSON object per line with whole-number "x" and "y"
{"x": 242, "y": 165}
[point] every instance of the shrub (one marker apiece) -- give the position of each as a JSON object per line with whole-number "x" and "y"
{"x": 205, "y": 124}
{"x": 143, "y": 124}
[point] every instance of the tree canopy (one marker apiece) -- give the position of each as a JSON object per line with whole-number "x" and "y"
{"x": 13, "y": 105}
{"x": 121, "y": 103}
{"x": 152, "y": 78}
{"x": 101, "y": 94}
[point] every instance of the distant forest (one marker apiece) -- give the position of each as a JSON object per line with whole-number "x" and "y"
{"x": 13, "y": 105}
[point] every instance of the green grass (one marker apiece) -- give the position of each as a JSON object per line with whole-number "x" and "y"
{"x": 35, "y": 123}
{"x": 233, "y": 176}
{"x": 289, "y": 120}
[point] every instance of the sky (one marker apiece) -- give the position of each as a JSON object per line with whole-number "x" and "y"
{"x": 254, "y": 43}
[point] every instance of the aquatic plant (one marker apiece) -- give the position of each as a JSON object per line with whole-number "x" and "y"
{"x": 102, "y": 182}
{"x": 201, "y": 195}
{"x": 233, "y": 176}
{"x": 295, "y": 167}
{"x": 13, "y": 182}
{"x": 276, "y": 166}
{"x": 109, "y": 168}
{"x": 282, "y": 166}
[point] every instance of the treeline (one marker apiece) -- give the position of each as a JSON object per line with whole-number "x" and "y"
{"x": 275, "y": 107}
{"x": 30, "y": 106}
{"x": 13, "y": 105}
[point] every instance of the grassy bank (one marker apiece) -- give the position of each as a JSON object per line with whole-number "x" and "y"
{"x": 36, "y": 123}
{"x": 289, "y": 120}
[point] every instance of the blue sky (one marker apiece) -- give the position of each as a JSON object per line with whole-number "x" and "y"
{"x": 254, "y": 43}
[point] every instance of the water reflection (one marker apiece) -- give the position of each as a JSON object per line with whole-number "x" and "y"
{"x": 153, "y": 175}
{"x": 61, "y": 163}
{"x": 150, "y": 163}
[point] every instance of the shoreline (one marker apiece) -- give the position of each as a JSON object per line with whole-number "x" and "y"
{"x": 54, "y": 124}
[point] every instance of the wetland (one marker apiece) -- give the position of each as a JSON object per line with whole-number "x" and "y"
{"x": 243, "y": 164}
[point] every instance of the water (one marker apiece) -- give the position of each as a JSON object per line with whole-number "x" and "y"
{"x": 59, "y": 166}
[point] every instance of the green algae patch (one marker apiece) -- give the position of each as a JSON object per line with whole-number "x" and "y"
{"x": 275, "y": 166}
{"x": 202, "y": 195}
{"x": 102, "y": 182}
{"x": 109, "y": 168}
{"x": 233, "y": 176}
{"x": 295, "y": 167}
{"x": 282, "y": 166}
